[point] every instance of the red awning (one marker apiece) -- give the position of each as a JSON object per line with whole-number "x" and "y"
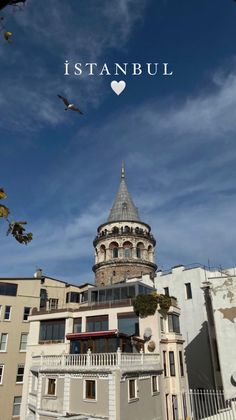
{"x": 80, "y": 336}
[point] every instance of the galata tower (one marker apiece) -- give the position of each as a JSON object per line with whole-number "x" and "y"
{"x": 124, "y": 245}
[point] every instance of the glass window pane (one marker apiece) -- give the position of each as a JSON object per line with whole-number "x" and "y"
{"x": 102, "y": 295}
{"x": 16, "y": 406}
{"x": 109, "y": 294}
{"x": 77, "y": 325}
{"x": 8, "y": 289}
{"x": 128, "y": 324}
{"x": 117, "y": 293}
{"x": 131, "y": 291}
{"x": 124, "y": 292}
{"x": 52, "y": 330}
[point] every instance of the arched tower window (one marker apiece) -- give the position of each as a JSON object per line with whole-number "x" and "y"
{"x": 127, "y": 252}
{"x": 127, "y": 247}
{"x": 115, "y": 229}
{"x": 150, "y": 253}
{"x": 115, "y": 252}
{"x": 114, "y": 248}
{"x": 139, "y": 250}
{"x": 127, "y": 229}
{"x": 103, "y": 252}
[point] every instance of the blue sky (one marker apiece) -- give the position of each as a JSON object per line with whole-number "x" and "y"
{"x": 177, "y": 135}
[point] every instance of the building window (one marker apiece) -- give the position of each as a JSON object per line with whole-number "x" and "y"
{"x": 128, "y": 324}
{"x": 173, "y": 323}
{"x": 181, "y": 363}
{"x": 7, "y": 314}
{"x": 23, "y": 341}
{"x": 90, "y": 390}
{"x": 166, "y": 291}
{"x": 72, "y": 297}
{"x": 132, "y": 389}
{"x": 164, "y": 363}
{"x": 26, "y": 313}
{"x": 175, "y": 407}
{"x": 138, "y": 252}
{"x": 0, "y": 311}
{"x": 84, "y": 296}
{"x": 3, "y": 341}
{"x": 188, "y": 291}
{"x": 77, "y": 326}
{"x": 43, "y": 298}
{"x": 97, "y": 323}
{"x": 155, "y": 387}
{"x": 172, "y": 363}
{"x": 8, "y": 289}
{"x": 115, "y": 252}
{"x": 51, "y": 386}
{"x": 127, "y": 252}
{"x": 52, "y": 331}
{"x": 20, "y": 374}
{"x": 1, "y": 373}
{"x": 16, "y": 406}
{"x": 53, "y": 303}
{"x": 162, "y": 324}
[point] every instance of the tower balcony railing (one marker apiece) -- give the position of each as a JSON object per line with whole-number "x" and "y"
{"x": 118, "y": 233}
{"x": 96, "y": 360}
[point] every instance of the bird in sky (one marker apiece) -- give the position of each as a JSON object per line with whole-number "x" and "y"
{"x": 69, "y": 106}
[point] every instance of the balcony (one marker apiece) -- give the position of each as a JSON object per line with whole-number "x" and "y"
{"x": 96, "y": 361}
{"x": 117, "y": 233}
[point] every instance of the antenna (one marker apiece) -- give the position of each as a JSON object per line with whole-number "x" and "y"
{"x": 123, "y": 170}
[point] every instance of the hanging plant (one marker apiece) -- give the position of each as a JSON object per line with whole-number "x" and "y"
{"x": 146, "y": 305}
{"x": 164, "y": 302}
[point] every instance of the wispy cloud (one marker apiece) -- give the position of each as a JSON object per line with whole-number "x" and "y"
{"x": 58, "y": 32}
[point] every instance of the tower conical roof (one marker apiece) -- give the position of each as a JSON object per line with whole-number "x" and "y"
{"x": 123, "y": 207}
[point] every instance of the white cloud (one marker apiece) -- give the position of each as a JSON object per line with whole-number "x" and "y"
{"x": 33, "y": 69}
{"x": 180, "y": 165}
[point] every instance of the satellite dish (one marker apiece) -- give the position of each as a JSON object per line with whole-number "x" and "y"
{"x": 151, "y": 346}
{"x": 147, "y": 333}
{"x": 233, "y": 379}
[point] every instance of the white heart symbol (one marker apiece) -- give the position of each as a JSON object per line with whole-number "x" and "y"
{"x": 118, "y": 87}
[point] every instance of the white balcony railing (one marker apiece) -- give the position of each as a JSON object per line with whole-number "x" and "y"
{"x": 88, "y": 360}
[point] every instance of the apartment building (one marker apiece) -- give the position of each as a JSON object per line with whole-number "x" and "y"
{"x": 102, "y": 361}
{"x": 207, "y": 301}
{"x": 220, "y": 300}
{"x": 19, "y": 297}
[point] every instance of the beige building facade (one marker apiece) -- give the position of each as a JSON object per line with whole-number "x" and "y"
{"x": 19, "y": 297}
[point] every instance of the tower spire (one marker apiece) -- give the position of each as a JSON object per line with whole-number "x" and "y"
{"x": 123, "y": 207}
{"x": 123, "y": 170}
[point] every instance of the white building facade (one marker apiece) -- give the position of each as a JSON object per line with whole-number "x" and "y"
{"x": 111, "y": 364}
{"x": 207, "y": 301}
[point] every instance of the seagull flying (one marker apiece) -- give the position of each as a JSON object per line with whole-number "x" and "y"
{"x": 72, "y": 107}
